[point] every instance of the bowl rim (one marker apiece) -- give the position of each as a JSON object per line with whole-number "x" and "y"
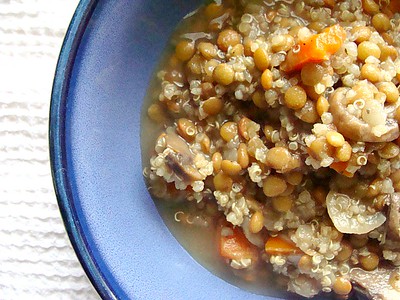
{"x": 58, "y": 161}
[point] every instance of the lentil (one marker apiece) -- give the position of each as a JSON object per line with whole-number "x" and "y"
{"x": 370, "y": 72}
{"x": 322, "y": 105}
{"x": 295, "y": 97}
{"x": 261, "y": 59}
{"x": 370, "y": 6}
{"x": 279, "y": 158}
{"x": 345, "y": 252}
{"x": 342, "y": 286}
{"x": 208, "y": 50}
{"x": 388, "y": 52}
{"x": 362, "y": 33}
{"x": 274, "y": 185}
{"x": 266, "y": 79}
{"x": 367, "y": 48}
{"x": 259, "y": 100}
{"x": 308, "y": 113}
{"x": 213, "y": 10}
{"x": 228, "y": 131}
{"x": 223, "y": 74}
{"x": 156, "y": 113}
{"x": 184, "y": 50}
{"x": 282, "y": 43}
{"x": 228, "y": 37}
{"x": 231, "y": 168}
{"x": 217, "y": 161}
{"x": 243, "y": 156}
{"x": 369, "y": 262}
{"x": 390, "y": 90}
{"x": 282, "y": 203}
{"x": 237, "y": 50}
{"x": 335, "y": 139}
{"x": 213, "y": 105}
{"x": 268, "y": 130}
{"x": 294, "y": 178}
{"x": 390, "y": 150}
{"x": 256, "y": 222}
{"x": 381, "y": 22}
{"x": 187, "y": 129}
{"x": 305, "y": 263}
{"x": 343, "y": 153}
{"x": 320, "y": 148}
{"x": 195, "y": 64}
{"x": 375, "y": 187}
{"x": 312, "y": 73}
{"x": 205, "y": 142}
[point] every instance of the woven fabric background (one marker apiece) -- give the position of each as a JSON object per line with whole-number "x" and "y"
{"x": 36, "y": 257}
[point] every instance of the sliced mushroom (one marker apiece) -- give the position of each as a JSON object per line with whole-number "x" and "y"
{"x": 354, "y": 128}
{"x": 178, "y": 144}
{"x": 349, "y": 216}
{"x": 180, "y": 160}
{"x": 256, "y": 239}
{"x": 179, "y": 164}
{"x": 382, "y": 283}
{"x": 393, "y": 224}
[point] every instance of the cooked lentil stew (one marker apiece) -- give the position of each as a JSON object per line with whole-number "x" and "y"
{"x": 277, "y": 132}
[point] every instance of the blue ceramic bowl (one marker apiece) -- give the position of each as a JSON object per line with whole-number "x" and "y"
{"x": 106, "y": 62}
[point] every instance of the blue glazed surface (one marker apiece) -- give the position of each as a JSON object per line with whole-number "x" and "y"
{"x": 104, "y": 68}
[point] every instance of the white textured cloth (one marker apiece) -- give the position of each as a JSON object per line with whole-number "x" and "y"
{"x": 36, "y": 257}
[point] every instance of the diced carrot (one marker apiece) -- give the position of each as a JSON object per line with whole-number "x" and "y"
{"x": 317, "y": 48}
{"x": 339, "y": 166}
{"x": 280, "y": 246}
{"x": 235, "y": 245}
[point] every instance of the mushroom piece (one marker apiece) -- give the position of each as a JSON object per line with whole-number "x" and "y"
{"x": 381, "y": 283}
{"x": 350, "y": 216}
{"x": 182, "y": 166}
{"x": 358, "y": 129}
{"x": 256, "y": 239}
{"x": 181, "y": 159}
{"x": 393, "y": 224}
{"x": 178, "y": 144}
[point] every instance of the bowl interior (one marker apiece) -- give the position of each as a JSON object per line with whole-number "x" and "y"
{"x": 95, "y": 146}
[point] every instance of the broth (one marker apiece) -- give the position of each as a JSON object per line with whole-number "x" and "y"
{"x": 240, "y": 80}
{"x": 199, "y": 241}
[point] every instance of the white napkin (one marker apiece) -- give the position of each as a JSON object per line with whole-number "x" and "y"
{"x": 36, "y": 257}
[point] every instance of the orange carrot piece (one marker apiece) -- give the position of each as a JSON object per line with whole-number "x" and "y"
{"x": 236, "y": 245}
{"x": 339, "y": 166}
{"x": 279, "y": 246}
{"x": 317, "y": 48}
